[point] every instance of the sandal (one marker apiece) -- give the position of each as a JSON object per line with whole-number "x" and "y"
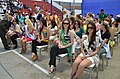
{"x": 34, "y": 57}
{"x": 52, "y": 69}
{"x": 21, "y": 51}
{"x": 75, "y": 78}
{"x": 71, "y": 76}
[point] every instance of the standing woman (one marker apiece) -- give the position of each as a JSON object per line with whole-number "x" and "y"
{"x": 42, "y": 39}
{"x": 66, "y": 39}
{"x": 90, "y": 49}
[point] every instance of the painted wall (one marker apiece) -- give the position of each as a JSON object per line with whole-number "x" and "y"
{"x": 94, "y": 6}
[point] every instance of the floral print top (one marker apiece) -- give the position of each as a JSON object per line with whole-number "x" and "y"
{"x": 88, "y": 49}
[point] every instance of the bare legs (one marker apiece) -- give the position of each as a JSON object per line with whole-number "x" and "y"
{"x": 23, "y": 45}
{"x": 75, "y": 66}
{"x": 79, "y": 66}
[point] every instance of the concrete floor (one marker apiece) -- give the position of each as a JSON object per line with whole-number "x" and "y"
{"x": 19, "y": 66}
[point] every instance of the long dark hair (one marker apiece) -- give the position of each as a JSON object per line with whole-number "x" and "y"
{"x": 72, "y": 20}
{"x": 44, "y": 24}
{"x": 66, "y": 19}
{"x": 78, "y": 24}
{"x": 106, "y": 26}
{"x": 93, "y": 34}
{"x": 53, "y": 23}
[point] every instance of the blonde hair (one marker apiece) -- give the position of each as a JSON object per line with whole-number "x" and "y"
{"x": 29, "y": 23}
{"x": 41, "y": 11}
{"x": 6, "y": 15}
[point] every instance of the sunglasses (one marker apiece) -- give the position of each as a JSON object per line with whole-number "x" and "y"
{"x": 90, "y": 27}
{"x": 66, "y": 23}
{"x": 76, "y": 22}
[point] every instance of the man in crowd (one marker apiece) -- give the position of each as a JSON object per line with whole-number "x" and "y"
{"x": 3, "y": 31}
{"x": 102, "y": 15}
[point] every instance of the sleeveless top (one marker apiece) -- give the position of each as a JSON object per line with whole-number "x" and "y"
{"x": 45, "y": 35}
{"x": 89, "y": 49}
{"x": 92, "y": 47}
{"x": 64, "y": 40}
{"x": 80, "y": 32}
{"x": 29, "y": 35}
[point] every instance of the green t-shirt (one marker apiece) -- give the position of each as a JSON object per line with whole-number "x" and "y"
{"x": 102, "y": 17}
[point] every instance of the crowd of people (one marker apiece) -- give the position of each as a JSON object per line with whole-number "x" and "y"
{"x": 90, "y": 33}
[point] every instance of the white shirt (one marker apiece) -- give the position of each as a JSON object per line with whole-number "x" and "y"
{"x": 15, "y": 3}
{"x": 4, "y": 7}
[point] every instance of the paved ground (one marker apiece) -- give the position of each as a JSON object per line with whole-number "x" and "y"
{"x": 18, "y": 66}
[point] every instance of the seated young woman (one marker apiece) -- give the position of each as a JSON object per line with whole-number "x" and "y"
{"x": 104, "y": 38}
{"x": 16, "y": 33}
{"x": 90, "y": 48}
{"x": 29, "y": 35}
{"x": 78, "y": 31}
{"x": 42, "y": 39}
{"x": 66, "y": 39}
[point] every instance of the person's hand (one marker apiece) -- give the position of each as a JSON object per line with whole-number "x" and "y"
{"x": 84, "y": 56}
{"x": 61, "y": 46}
{"x": 79, "y": 41}
{"x": 39, "y": 40}
{"x": 23, "y": 37}
{"x": 11, "y": 29}
{"x": 87, "y": 56}
{"x": 7, "y": 33}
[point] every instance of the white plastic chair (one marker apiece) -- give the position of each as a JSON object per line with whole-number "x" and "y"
{"x": 91, "y": 69}
{"x": 40, "y": 49}
{"x": 61, "y": 57}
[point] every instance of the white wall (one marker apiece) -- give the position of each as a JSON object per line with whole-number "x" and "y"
{"x": 76, "y": 1}
{"x": 59, "y": 6}
{"x": 78, "y": 12}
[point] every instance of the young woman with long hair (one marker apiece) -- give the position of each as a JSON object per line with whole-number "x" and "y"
{"x": 89, "y": 52}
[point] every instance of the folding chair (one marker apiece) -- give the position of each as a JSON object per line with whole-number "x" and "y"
{"x": 103, "y": 57}
{"x": 29, "y": 45}
{"x": 116, "y": 38}
{"x": 61, "y": 57}
{"x": 92, "y": 68}
{"x": 40, "y": 49}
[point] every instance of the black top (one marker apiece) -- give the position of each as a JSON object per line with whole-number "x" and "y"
{"x": 105, "y": 35}
{"x": 39, "y": 16}
{"x": 4, "y": 26}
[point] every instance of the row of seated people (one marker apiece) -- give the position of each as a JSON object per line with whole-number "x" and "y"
{"x": 93, "y": 42}
{"x": 70, "y": 34}
{"x": 60, "y": 49}
{"x": 66, "y": 40}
